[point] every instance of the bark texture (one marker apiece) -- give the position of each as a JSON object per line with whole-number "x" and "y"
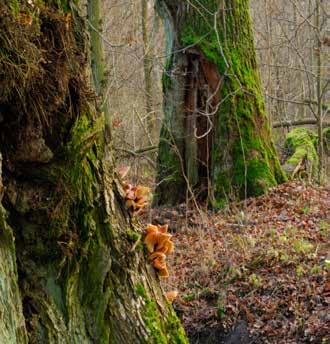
{"x": 100, "y": 82}
{"x": 215, "y": 136}
{"x": 147, "y": 67}
{"x": 72, "y": 266}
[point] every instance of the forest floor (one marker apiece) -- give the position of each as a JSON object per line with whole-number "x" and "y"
{"x": 260, "y": 267}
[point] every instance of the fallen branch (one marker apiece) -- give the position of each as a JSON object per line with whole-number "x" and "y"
{"x": 139, "y": 153}
{"x": 307, "y": 121}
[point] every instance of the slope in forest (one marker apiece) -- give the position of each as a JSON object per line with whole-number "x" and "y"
{"x": 264, "y": 263}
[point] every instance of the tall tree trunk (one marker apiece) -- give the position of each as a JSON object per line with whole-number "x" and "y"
{"x": 81, "y": 275}
{"x": 147, "y": 66}
{"x": 94, "y": 9}
{"x": 215, "y": 138}
{"x": 319, "y": 95}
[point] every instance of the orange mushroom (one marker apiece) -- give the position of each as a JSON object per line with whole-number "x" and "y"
{"x": 136, "y": 197}
{"x": 163, "y": 228}
{"x": 158, "y": 260}
{"x": 159, "y": 243}
{"x": 171, "y": 295}
{"x": 166, "y": 246}
{"x": 155, "y": 238}
{"x": 163, "y": 273}
{"x": 130, "y": 191}
{"x": 142, "y": 192}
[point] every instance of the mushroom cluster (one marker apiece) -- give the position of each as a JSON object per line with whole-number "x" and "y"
{"x": 159, "y": 244}
{"x": 136, "y": 197}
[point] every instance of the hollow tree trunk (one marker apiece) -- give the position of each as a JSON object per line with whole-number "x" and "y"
{"x": 71, "y": 269}
{"x": 215, "y": 136}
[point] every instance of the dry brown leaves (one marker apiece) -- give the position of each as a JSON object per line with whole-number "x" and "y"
{"x": 265, "y": 262}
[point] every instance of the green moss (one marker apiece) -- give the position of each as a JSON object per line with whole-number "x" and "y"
{"x": 154, "y": 323}
{"x": 141, "y": 291}
{"x": 63, "y": 5}
{"x": 133, "y": 236}
{"x": 254, "y": 167}
{"x": 174, "y": 330}
{"x": 300, "y": 144}
{"x": 161, "y": 331}
{"x": 166, "y": 77}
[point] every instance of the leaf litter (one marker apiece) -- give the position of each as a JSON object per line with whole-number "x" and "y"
{"x": 265, "y": 261}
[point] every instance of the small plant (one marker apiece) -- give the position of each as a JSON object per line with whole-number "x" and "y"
{"x": 189, "y": 297}
{"x": 324, "y": 229}
{"x": 302, "y": 246}
{"x": 316, "y": 269}
{"x": 306, "y": 210}
{"x": 255, "y": 280}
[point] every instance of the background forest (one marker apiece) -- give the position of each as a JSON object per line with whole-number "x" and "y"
{"x": 292, "y": 45}
{"x": 165, "y": 171}
{"x": 274, "y": 238}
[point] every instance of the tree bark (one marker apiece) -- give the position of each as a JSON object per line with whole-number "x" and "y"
{"x": 319, "y": 95}
{"x": 81, "y": 274}
{"x": 215, "y": 138}
{"x": 100, "y": 81}
{"x": 147, "y": 67}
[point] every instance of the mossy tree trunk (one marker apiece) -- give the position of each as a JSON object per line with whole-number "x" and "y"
{"x": 94, "y": 9}
{"x": 71, "y": 269}
{"x": 215, "y": 139}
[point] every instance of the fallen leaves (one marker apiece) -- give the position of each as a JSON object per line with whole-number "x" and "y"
{"x": 267, "y": 263}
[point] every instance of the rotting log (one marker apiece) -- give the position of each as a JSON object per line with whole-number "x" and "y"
{"x": 296, "y": 123}
{"x": 302, "y": 158}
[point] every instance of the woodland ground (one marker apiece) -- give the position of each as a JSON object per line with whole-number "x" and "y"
{"x": 261, "y": 267}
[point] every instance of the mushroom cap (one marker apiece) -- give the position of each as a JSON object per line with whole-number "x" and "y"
{"x": 151, "y": 228}
{"x": 142, "y": 191}
{"x": 166, "y": 246}
{"x": 155, "y": 255}
{"x": 171, "y": 295}
{"x": 163, "y": 273}
{"x": 163, "y": 228}
{"x": 155, "y": 239}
